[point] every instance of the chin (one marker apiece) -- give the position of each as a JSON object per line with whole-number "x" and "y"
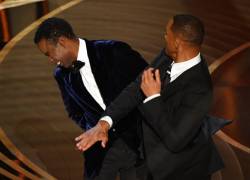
{"x": 67, "y": 65}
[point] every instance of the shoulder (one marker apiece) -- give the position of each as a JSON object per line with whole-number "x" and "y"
{"x": 110, "y": 44}
{"x": 199, "y": 76}
{"x": 59, "y": 71}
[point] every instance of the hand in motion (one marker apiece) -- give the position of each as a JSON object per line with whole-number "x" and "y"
{"x": 90, "y": 137}
{"x": 151, "y": 82}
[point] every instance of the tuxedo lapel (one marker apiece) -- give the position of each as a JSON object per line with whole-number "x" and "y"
{"x": 179, "y": 82}
{"x": 172, "y": 87}
{"x": 80, "y": 93}
{"x": 98, "y": 69}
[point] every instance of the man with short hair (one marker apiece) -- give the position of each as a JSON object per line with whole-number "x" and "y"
{"x": 90, "y": 74}
{"x": 174, "y": 96}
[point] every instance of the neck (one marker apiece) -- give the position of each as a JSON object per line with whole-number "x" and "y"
{"x": 74, "y": 48}
{"x": 186, "y": 53}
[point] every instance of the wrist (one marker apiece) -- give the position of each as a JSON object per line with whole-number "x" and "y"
{"x": 152, "y": 94}
{"x": 104, "y": 125}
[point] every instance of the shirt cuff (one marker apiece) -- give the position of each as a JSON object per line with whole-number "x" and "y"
{"x": 108, "y": 119}
{"x": 151, "y": 97}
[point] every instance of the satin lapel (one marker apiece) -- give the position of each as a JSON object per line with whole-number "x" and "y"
{"x": 80, "y": 94}
{"x": 180, "y": 82}
{"x": 98, "y": 69}
{"x": 173, "y": 87}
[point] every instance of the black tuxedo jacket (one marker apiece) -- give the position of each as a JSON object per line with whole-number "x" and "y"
{"x": 114, "y": 65}
{"x": 175, "y": 145}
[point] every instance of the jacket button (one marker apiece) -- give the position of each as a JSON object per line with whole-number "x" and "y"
{"x": 113, "y": 129}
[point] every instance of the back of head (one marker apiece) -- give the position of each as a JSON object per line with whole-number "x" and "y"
{"x": 189, "y": 28}
{"x": 53, "y": 28}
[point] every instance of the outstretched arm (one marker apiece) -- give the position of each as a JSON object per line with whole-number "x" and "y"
{"x": 130, "y": 98}
{"x": 123, "y": 104}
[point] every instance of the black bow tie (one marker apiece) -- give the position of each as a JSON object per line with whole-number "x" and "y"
{"x": 76, "y": 66}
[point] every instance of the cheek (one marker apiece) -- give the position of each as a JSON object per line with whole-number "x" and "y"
{"x": 64, "y": 57}
{"x": 60, "y": 54}
{"x": 170, "y": 49}
{"x": 170, "y": 45}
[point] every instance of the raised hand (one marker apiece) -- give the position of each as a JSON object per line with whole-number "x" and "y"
{"x": 151, "y": 82}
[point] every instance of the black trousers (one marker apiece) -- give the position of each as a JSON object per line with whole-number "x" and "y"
{"x": 119, "y": 160}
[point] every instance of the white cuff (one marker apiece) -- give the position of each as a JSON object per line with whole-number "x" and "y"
{"x": 151, "y": 97}
{"x": 108, "y": 119}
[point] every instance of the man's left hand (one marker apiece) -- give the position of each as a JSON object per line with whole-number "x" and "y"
{"x": 151, "y": 82}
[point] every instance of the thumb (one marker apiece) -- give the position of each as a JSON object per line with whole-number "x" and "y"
{"x": 104, "y": 142}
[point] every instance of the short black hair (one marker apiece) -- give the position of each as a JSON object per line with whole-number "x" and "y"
{"x": 189, "y": 27}
{"x": 52, "y": 29}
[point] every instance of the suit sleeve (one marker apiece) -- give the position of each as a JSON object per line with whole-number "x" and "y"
{"x": 132, "y": 96}
{"x": 129, "y": 99}
{"x": 73, "y": 110}
{"x": 128, "y": 65}
{"x": 176, "y": 127}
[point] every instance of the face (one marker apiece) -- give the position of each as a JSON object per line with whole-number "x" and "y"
{"x": 170, "y": 39}
{"x": 57, "y": 53}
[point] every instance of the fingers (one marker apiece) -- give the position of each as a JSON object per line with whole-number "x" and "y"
{"x": 148, "y": 75}
{"x": 151, "y": 82}
{"x": 84, "y": 141}
{"x": 79, "y": 137}
{"x": 83, "y": 145}
{"x": 90, "y": 137}
{"x": 143, "y": 77}
{"x": 80, "y": 145}
{"x": 157, "y": 76}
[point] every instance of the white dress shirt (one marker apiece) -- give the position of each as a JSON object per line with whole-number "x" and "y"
{"x": 88, "y": 78}
{"x": 176, "y": 70}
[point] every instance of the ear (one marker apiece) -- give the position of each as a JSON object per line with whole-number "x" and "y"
{"x": 62, "y": 41}
{"x": 177, "y": 42}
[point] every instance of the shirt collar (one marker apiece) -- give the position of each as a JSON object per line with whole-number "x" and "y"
{"x": 82, "y": 51}
{"x": 178, "y": 68}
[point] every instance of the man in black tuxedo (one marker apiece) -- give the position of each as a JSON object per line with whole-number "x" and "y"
{"x": 174, "y": 96}
{"x": 90, "y": 74}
